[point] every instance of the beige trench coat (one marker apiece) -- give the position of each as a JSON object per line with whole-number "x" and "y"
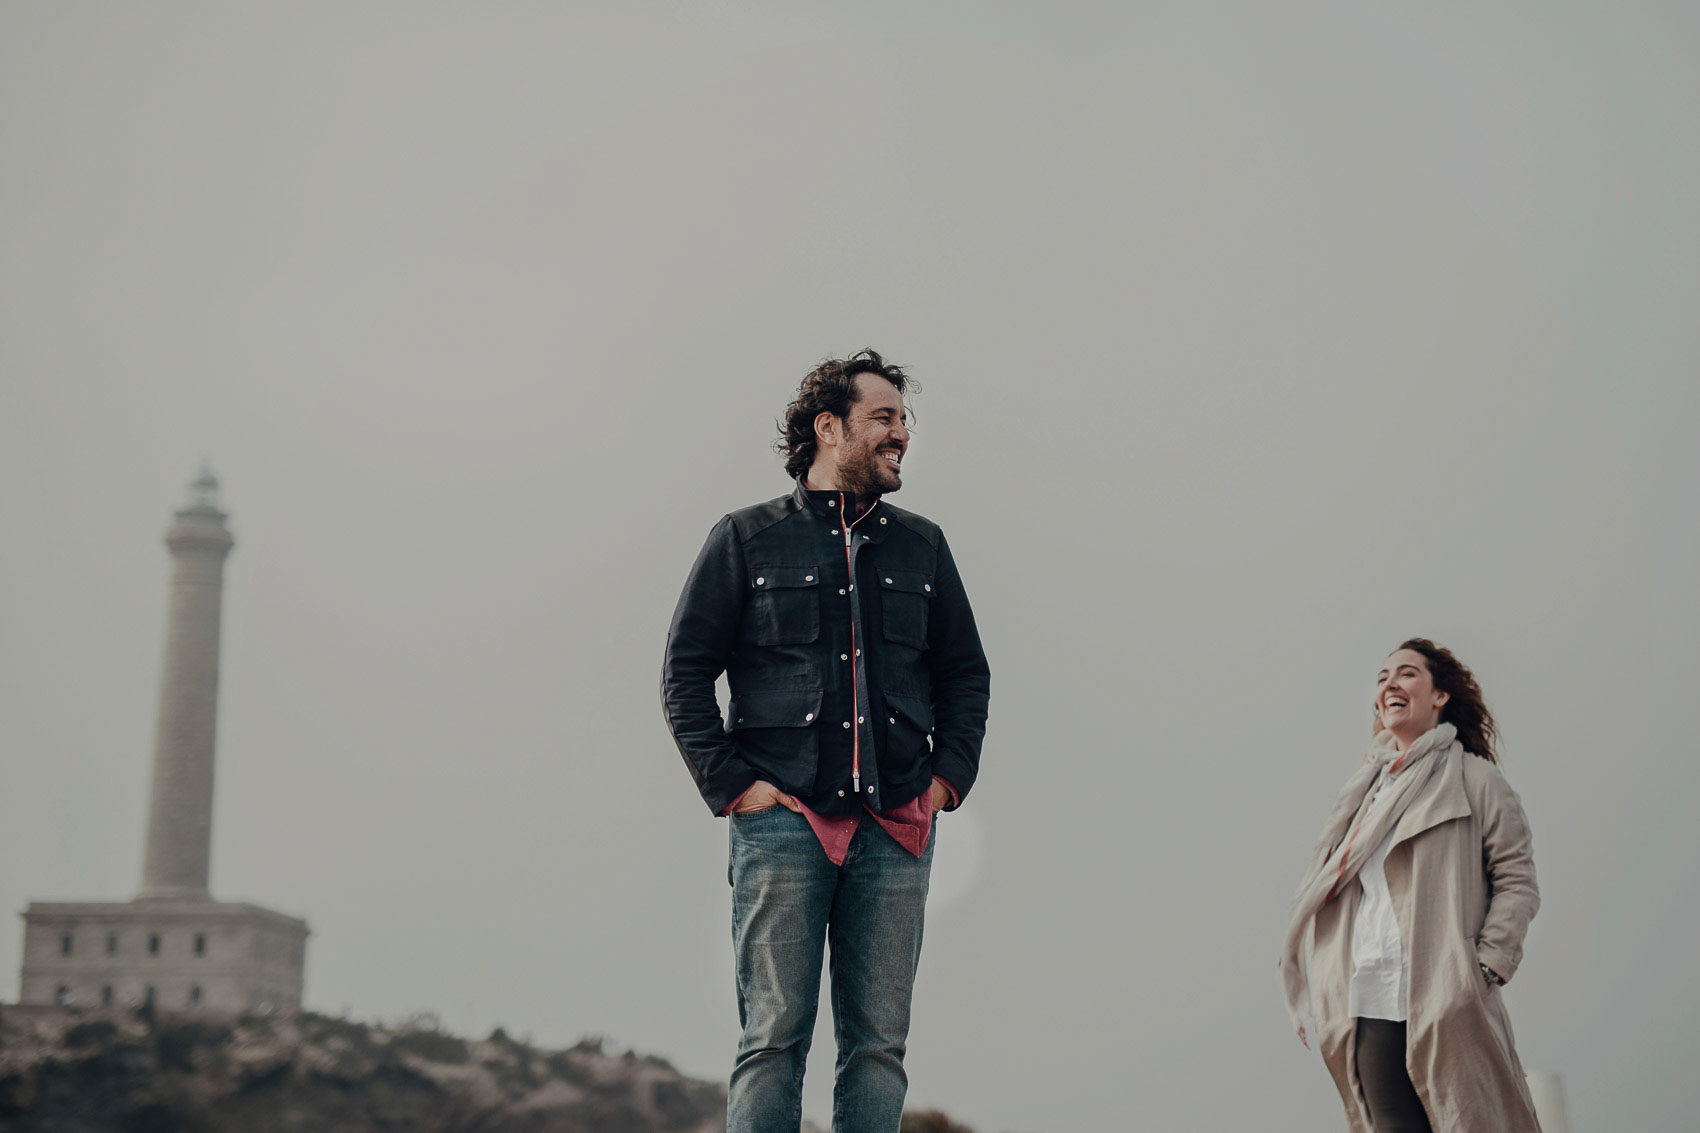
{"x": 1462, "y": 878}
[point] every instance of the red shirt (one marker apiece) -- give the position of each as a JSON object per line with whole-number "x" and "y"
{"x": 911, "y": 824}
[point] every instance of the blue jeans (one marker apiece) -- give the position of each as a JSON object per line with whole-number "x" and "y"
{"x": 788, "y": 902}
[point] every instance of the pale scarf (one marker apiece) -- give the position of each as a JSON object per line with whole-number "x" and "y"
{"x": 1354, "y": 829}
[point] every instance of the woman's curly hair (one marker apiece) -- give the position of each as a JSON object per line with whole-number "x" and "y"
{"x": 1466, "y": 710}
{"x": 829, "y": 388}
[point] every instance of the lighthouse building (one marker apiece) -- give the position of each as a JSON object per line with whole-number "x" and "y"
{"x": 172, "y": 945}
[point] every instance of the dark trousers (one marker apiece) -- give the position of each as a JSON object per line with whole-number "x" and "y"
{"x": 1393, "y": 1103}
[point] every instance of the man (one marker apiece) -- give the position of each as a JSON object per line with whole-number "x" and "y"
{"x": 858, "y": 705}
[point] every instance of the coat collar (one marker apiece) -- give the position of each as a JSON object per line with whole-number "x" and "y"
{"x": 1442, "y": 801}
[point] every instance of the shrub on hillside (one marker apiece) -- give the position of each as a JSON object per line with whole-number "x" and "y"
{"x": 931, "y": 1121}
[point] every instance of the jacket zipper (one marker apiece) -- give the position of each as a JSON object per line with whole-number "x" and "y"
{"x": 855, "y": 692}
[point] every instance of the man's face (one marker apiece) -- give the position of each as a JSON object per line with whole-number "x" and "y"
{"x": 875, "y": 437}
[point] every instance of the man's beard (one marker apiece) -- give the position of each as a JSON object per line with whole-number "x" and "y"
{"x": 868, "y": 474}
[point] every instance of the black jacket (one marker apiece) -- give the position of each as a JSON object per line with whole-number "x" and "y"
{"x": 839, "y": 652}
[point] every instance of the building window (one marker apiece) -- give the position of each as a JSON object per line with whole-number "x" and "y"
{"x": 106, "y": 996}
{"x": 112, "y": 944}
{"x": 200, "y": 944}
{"x": 64, "y": 944}
{"x": 153, "y": 944}
{"x": 195, "y": 996}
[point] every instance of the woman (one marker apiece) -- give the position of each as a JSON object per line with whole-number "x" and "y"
{"x": 1418, "y": 895}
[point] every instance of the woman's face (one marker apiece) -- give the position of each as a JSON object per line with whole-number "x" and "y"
{"x": 1405, "y": 696}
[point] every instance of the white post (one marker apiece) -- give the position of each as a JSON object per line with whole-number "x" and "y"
{"x": 1547, "y": 1089}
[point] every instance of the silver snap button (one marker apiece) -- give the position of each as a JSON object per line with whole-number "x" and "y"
{"x": 927, "y": 587}
{"x": 893, "y": 719}
{"x": 888, "y": 582}
{"x": 852, "y": 586}
{"x": 761, "y": 582}
{"x": 844, "y": 656}
{"x": 835, "y": 530}
{"x": 808, "y": 717}
{"x": 832, "y": 503}
{"x": 811, "y": 578}
{"x": 870, "y": 790}
{"x": 858, "y": 652}
{"x": 882, "y": 519}
{"x": 841, "y": 792}
{"x": 841, "y": 589}
{"x": 846, "y": 723}
{"x": 860, "y": 720}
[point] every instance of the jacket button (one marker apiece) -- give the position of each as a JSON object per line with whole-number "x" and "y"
{"x": 888, "y": 582}
{"x": 858, "y": 652}
{"x": 882, "y": 519}
{"x": 928, "y": 587}
{"x": 870, "y": 790}
{"x": 841, "y": 792}
{"x": 811, "y": 578}
{"x": 763, "y": 581}
{"x": 846, "y": 723}
{"x": 808, "y": 717}
{"x": 893, "y": 719}
{"x": 841, "y": 589}
{"x": 844, "y": 656}
{"x": 835, "y": 530}
{"x": 860, "y": 720}
{"x": 832, "y": 503}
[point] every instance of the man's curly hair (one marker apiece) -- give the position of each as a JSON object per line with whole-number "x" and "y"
{"x": 829, "y": 388}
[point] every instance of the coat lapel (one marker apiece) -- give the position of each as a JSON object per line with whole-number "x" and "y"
{"x": 1443, "y": 802}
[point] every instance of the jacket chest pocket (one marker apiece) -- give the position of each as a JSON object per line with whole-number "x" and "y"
{"x": 783, "y": 605}
{"x": 906, "y": 597}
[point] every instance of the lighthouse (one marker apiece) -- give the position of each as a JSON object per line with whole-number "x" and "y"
{"x": 179, "y": 845}
{"x": 173, "y": 946}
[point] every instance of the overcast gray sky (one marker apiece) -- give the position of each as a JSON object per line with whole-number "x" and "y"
{"x": 1255, "y": 338}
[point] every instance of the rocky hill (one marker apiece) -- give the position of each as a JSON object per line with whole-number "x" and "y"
{"x": 63, "y": 1071}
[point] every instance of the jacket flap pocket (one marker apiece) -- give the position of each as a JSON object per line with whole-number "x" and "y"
{"x": 774, "y": 708}
{"x": 907, "y": 582}
{"x": 917, "y": 710}
{"x": 783, "y": 577}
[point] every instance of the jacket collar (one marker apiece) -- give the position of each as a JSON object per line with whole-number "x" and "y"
{"x": 826, "y": 502}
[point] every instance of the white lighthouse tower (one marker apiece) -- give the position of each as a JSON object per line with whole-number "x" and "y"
{"x": 179, "y": 845}
{"x": 173, "y": 946}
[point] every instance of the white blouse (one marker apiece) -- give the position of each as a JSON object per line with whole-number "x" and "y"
{"x": 1381, "y": 969}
